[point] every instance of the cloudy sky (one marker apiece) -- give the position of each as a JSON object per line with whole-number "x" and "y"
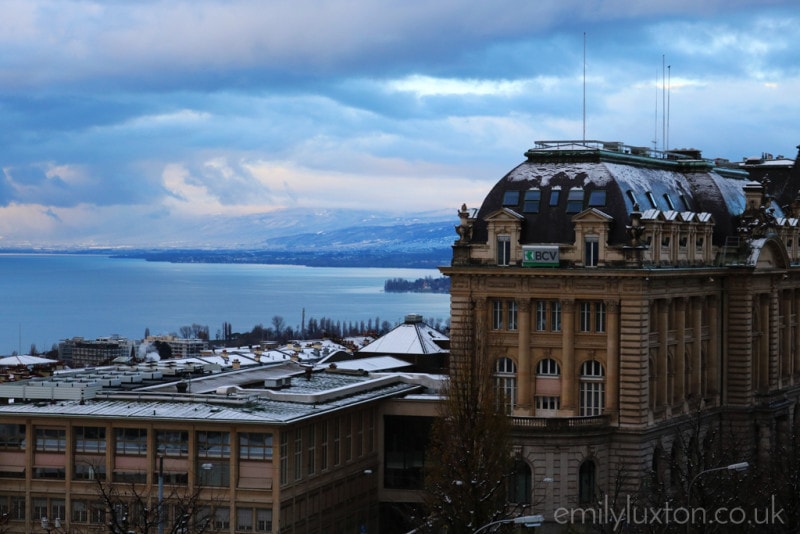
{"x": 121, "y": 117}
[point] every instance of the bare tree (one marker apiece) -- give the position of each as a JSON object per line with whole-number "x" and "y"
{"x": 470, "y": 449}
{"x": 134, "y": 508}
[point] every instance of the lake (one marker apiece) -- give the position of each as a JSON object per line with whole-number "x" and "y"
{"x": 50, "y": 297}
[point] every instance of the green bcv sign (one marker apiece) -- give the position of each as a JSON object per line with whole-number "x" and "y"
{"x": 540, "y": 256}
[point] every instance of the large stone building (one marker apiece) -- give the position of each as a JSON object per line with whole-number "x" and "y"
{"x": 625, "y": 293}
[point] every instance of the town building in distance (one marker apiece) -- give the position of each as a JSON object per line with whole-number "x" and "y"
{"x": 633, "y": 301}
{"x": 80, "y": 352}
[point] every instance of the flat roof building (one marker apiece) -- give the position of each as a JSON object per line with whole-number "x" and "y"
{"x": 269, "y": 446}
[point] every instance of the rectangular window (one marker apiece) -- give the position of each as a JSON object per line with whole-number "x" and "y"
{"x": 17, "y": 508}
{"x": 311, "y": 452}
{"x": 212, "y": 444}
{"x": 298, "y": 454}
{"x": 592, "y": 316}
{"x": 348, "y": 437}
{"x": 131, "y": 441}
{"x": 12, "y": 436}
{"x": 503, "y": 250}
{"x": 90, "y": 439}
{"x": 512, "y": 314}
{"x": 244, "y": 519}
{"x": 284, "y": 462}
{"x": 555, "y": 196}
{"x": 548, "y": 403}
{"x": 585, "y": 316}
{"x": 370, "y": 430}
{"x": 90, "y": 471}
{"x": 600, "y": 317}
{"x": 255, "y": 446}
{"x": 555, "y": 316}
{"x": 497, "y": 315}
{"x": 323, "y": 446}
{"x": 541, "y": 315}
{"x": 222, "y": 518}
{"x": 510, "y": 199}
{"x": 130, "y": 477}
{"x": 172, "y": 443}
{"x": 80, "y": 512}
{"x": 575, "y": 201}
{"x": 214, "y": 472}
{"x": 39, "y": 505}
{"x": 532, "y": 200}
{"x": 51, "y": 439}
{"x": 263, "y": 520}
{"x": 597, "y": 198}
{"x": 359, "y": 441}
{"x": 591, "y": 251}
{"x": 336, "y": 444}
{"x": 591, "y": 398}
{"x": 58, "y": 473}
{"x": 58, "y": 509}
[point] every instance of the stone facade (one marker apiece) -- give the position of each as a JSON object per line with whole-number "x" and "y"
{"x": 675, "y": 299}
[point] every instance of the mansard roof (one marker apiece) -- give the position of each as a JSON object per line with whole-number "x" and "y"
{"x": 572, "y": 176}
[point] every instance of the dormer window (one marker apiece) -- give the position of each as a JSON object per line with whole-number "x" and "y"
{"x": 652, "y": 199}
{"x": 510, "y": 199}
{"x": 555, "y": 196}
{"x": 669, "y": 201}
{"x": 632, "y": 197}
{"x": 597, "y": 198}
{"x": 532, "y": 200}
{"x": 503, "y": 250}
{"x": 575, "y": 201}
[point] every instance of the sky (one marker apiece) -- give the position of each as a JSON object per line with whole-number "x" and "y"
{"x": 119, "y": 119}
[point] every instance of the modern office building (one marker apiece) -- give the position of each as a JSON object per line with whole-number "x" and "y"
{"x": 80, "y": 352}
{"x": 626, "y": 294}
{"x": 259, "y": 446}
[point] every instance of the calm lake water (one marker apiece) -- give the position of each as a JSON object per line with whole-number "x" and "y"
{"x": 46, "y": 298}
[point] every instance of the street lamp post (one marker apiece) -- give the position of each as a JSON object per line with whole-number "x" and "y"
{"x": 740, "y": 466}
{"x": 160, "y": 510}
{"x": 527, "y": 520}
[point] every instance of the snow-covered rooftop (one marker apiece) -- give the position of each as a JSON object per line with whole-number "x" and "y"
{"x": 411, "y": 337}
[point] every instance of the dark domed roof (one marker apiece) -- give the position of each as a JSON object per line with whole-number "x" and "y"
{"x": 560, "y": 179}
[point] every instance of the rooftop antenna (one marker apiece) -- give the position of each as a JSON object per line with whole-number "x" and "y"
{"x": 663, "y": 103}
{"x": 655, "y": 119}
{"x": 669, "y": 90}
{"x": 584, "y": 87}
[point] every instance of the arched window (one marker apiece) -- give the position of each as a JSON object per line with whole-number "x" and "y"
{"x": 548, "y": 367}
{"x": 519, "y": 483}
{"x": 592, "y": 388}
{"x": 586, "y": 482}
{"x": 505, "y": 375}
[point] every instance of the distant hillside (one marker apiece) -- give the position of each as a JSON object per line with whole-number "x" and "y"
{"x": 412, "y": 245}
{"x": 317, "y": 238}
